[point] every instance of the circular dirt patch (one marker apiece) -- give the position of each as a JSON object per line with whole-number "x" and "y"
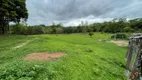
{"x": 44, "y": 56}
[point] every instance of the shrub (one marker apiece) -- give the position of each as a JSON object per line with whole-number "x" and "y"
{"x": 30, "y": 30}
{"x": 18, "y": 29}
{"x": 119, "y": 36}
{"x": 128, "y": 29}
{"x": 91, "y": 34}
{"x": 37, "y": 30}
{"x": 89, "y": 50}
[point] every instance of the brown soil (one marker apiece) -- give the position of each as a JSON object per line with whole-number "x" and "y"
{"x": 121, "y": 43}
{"x": 43, "y": 56}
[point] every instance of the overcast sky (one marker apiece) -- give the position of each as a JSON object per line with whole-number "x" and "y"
{"x": 72, "y": 12}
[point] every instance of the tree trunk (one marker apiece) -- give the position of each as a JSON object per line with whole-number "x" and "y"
{"x": 134, "y": 59}
{"x": 3, "y": 27}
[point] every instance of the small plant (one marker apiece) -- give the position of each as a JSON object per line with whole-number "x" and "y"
{"x": 89, "y": 50}
{"x": 91, "y": 34}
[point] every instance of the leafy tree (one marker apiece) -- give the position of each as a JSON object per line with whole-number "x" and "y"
{"x": 83, "y": 27}
{"x": 97, "y": 27}
{"x": 49, "y": 30}
{"x": 30, "y": 30}
{"x": 12, "y": 11}
{"x": 128, "y": 29}
{"x": 79, "y": 29}
{"x": 136, "y": 23}
{"x": 68, "y": 30}
{"x": 38, "y": 30}
{"x": 59, "y": 30}
{"x": 89, "y": 29}
{"x": 18, "y": 29}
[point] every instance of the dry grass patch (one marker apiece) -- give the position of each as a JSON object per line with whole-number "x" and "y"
{"x": 121, "y": 43}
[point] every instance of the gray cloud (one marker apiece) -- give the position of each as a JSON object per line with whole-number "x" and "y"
{"x": 70, "y": 12}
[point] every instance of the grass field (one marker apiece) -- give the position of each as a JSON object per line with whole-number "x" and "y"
{"x": 87, "y": 58}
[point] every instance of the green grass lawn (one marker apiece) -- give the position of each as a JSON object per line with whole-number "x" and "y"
{"x": 87, "y": 58}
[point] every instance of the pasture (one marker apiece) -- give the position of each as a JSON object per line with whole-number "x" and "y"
{"x": 86, "y": 58}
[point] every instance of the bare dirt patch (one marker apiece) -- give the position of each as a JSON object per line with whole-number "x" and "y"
{"x": 121, "y": 43}
{"x": 44, "y": 56}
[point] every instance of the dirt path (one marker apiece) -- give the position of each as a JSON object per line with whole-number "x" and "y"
{"x": 120, "y": 43}
{"x": 22, "y": 44}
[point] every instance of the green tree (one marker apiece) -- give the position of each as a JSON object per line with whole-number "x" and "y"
{"x": 59, "y": 30}
{"x": 49, "y": 30}
{"x": 18, "y": 29}
{"x": 136, "y": 23}
{"x": 12, "y": 11}
{"x": 128, "y": 29}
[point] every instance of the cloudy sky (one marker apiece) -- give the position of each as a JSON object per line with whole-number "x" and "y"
{"x": 72, "y": 12}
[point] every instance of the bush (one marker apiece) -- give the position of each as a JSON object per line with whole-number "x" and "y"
{"x": 119, "y": 36}
{"x": 91, "y": 34}
{"x": 128, "y": 29}
{"x": 30, "y": 30}
{"x": 89, "y": 50}
{"x": 18, "y": 29}
{"x": 38, "y": 30}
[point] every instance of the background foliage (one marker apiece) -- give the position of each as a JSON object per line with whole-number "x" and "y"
{"x": 115, "y": 26}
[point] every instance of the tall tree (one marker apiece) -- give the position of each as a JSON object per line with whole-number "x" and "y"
{"x": 12, "y": 11}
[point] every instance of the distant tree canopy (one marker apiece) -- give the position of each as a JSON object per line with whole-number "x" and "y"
{"x": 12, "y": 11}
{"x": 15, "y": 11}
{"x": 114, "y": 26}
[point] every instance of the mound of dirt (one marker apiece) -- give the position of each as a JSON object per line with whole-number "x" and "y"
{"x": 121, "y": 43}
{"x": 43, "y": 56}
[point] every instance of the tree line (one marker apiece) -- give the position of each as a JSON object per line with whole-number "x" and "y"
{"x": 15, "y": 11}
{"x": 114, "y": 26}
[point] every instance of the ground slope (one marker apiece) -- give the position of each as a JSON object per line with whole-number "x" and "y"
{"x": 87, "y": 58}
